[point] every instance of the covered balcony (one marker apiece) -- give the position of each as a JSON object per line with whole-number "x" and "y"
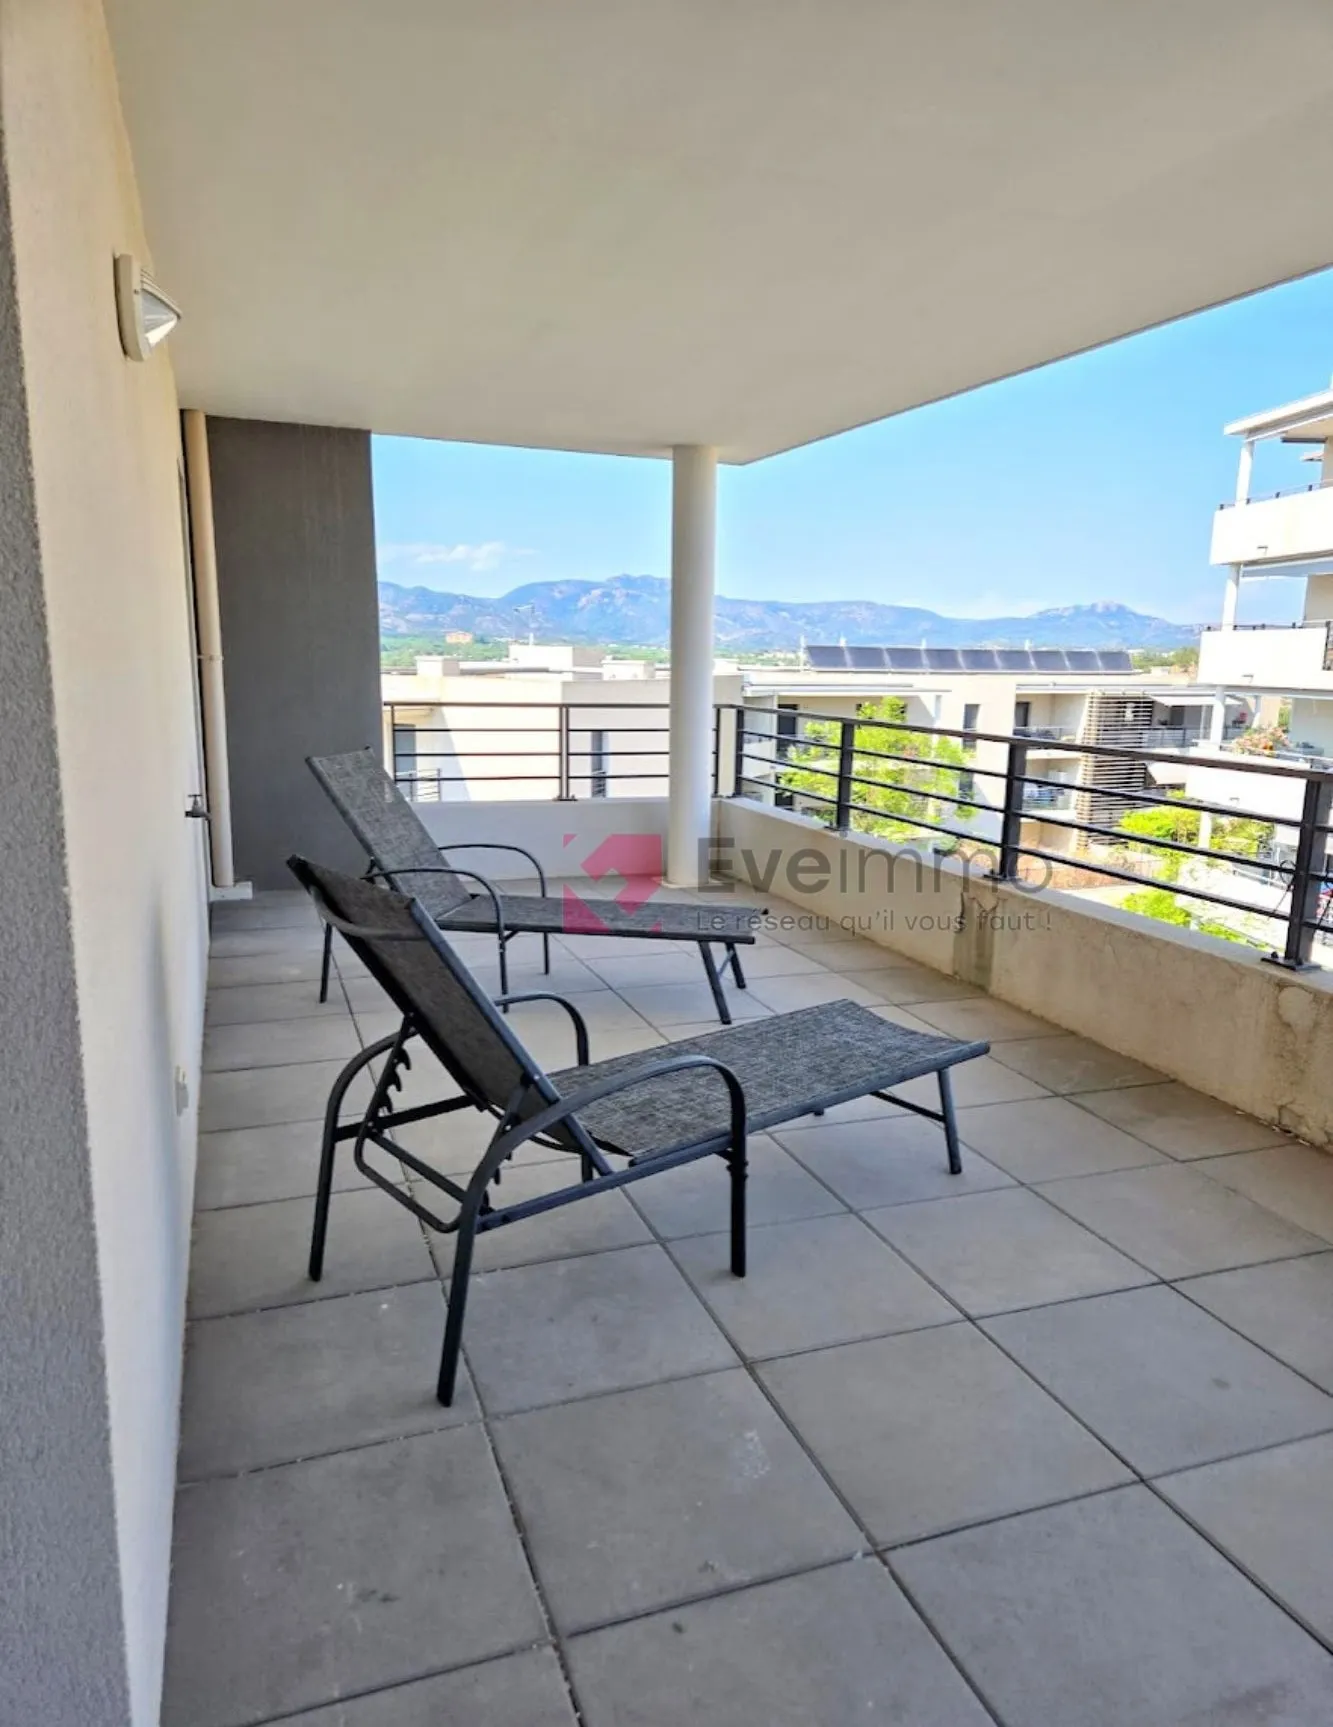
{"x": 1080, "y": 1391}
{"x": 1044, "y": 1441}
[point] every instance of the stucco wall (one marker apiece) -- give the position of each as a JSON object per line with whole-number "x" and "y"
{"x": 295, "y": 531}
{"x": 103, "y": 442}
{"x": 1199, "y": 1009}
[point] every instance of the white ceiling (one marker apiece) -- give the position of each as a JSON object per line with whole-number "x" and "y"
{"x": 622, "y": 224}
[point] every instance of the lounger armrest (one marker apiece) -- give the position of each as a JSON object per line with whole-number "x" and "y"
{"x": 497, "y": 846}
{"x": 580, "y": 1024}
{"x": 488, "y": 887}
{"x": 504, "y": 1145}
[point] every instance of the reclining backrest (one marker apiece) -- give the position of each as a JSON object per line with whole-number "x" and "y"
{"x": 393, "y": 834}
{"x": 397, "y": 941}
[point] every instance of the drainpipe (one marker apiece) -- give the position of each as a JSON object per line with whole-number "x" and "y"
{"x": 208, "y": 623}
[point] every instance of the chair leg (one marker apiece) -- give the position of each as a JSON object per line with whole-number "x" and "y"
{"x": 453, "y": 1324}
{"x": 328, "y": 1152}
{"x": 950, "y": 1123}
{"x": 546, "y": 955}
{"x": 739, "y": 1173}
{"x": 733, "y": 955}
{"x": 327, "y": 961}
{"x": 503, "y": 941}
{"x": 715, "y": 983}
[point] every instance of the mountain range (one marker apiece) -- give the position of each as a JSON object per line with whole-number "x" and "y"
{"x": 636, "y": 611}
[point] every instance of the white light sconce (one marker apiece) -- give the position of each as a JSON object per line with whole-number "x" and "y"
{"x": 145, "y": 314}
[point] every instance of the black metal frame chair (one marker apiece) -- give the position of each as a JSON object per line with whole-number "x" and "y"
{"x": 402, "y": 852}
{"x": 697, "y": 1098}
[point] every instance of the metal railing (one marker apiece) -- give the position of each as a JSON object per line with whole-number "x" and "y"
{"x": 1269, "y": 497}
{"x": 562, "y": 750}
{"x": 900, "y": 780}
{"x": 835, "y": 773}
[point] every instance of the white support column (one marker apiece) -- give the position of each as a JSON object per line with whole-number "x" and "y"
{"x": 1244, "y": 471}
{"x": 208, "y": 623}
{"x": 693, "y": 555}
{"x": 1231, "y": 598}
{"x": 1217, "y": 720}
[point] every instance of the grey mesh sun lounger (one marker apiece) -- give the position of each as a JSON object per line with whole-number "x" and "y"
{"x": 402, "y": 852}
{"x": 623, "y": 1119}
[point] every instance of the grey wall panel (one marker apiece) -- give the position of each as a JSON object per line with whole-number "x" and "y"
{"x": 300, "y": 630}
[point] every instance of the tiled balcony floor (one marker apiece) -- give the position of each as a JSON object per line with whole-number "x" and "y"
{"x": 1049, "y": 1443}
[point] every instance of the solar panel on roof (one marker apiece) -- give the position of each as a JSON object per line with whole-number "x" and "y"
{"x": 866, "y": 659}
{"x": 837, "y": 657}
{"x": 827, "y": 659}
{"x": 1048, "y": 660}
{"x": 1083, "y": 660}
{"x": 905, "y": 659}
{"x": 978, "y": 659}
{"x": 1013, "y": 659}
{"x": 1116, "y": 660}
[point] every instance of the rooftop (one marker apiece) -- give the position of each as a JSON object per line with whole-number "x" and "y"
{"x": 1080, "y": 1393}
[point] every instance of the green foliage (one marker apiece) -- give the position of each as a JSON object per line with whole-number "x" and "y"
{"x": 399, "y": 653}
{"x": 890, "y": 793}
{"x": 1186, "y": 658}
{"x": 1161, "y": 904}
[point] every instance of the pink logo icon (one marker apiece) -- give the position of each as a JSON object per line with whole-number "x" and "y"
{"x": 636, "y": 858}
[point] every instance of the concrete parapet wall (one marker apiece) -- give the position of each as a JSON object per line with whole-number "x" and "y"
{"x": 1204, "y": 1011}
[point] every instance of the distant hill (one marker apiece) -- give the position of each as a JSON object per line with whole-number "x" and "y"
{"x": 635, "y": 610}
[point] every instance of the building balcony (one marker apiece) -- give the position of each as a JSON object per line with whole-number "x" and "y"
{"x": 1282, "y": 529}
{"x": 1271, "y": 656}
{"x": 1093, "y": 1367}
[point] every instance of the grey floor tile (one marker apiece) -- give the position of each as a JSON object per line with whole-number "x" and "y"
{"x": 573, "y": 1327}
{"x": 1293, "y": 1180}
{"x": 983, "y": 1080}
{"x": 1181, "y": 1122}
{"x": 667, "y": 1005}
{"x": 525, "y": 1690}
{"x": 1273, "y": 1513}
{"x": 833, "y": 1647}
{"x": 1161, "y": 1381}
{"x": 774, "y": 960}
{"x": 1113, "y": 1613}
{"x": 935, "y": 1429}
{"x": 664, "y": 1494}
{"x": 889, "y": 1160}
{"x": 291, "y": 1382}
{"x": 1041, "y": 1138}
{"x": 984, "y": 1017}
{"x": 1177, "y": 1222}
{"x": 1067, "y": 1063}
{"x": 297, "y": 1586}
{"x": 593, "y": 1225}
{"x": 249, "y": 970}
{"x": 261, "y": 1003}
{"x": 279, "y": 1043}
{"x": 696, "y": 1199}
{"x": 255, "y": 1256}
{"x": 899, "y": 982}
{"x": 249, "y": 1165}
{"x": 990, "y": 1252}
{"x": 822, "y": 1280}
{"x": 618, "y": 968}
{"x": 268, "y": 1096}
{"x": 786, "y": 994}
{"x": 249, "y": 943}
{"x": 1286, "y": 1307}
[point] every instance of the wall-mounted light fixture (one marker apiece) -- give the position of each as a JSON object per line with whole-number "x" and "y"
{"x": 145, "y": 314}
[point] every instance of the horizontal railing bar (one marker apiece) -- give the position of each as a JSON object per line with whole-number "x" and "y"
{"x": 1128, "y": 752}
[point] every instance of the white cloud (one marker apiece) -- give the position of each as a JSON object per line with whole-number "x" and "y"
{"x": 487, "y": 555}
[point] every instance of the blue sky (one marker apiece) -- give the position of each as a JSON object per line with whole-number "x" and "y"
{"x": 1094, "y": 478}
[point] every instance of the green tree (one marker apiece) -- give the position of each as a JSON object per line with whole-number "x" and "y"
{"x": 896, "y": 796}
